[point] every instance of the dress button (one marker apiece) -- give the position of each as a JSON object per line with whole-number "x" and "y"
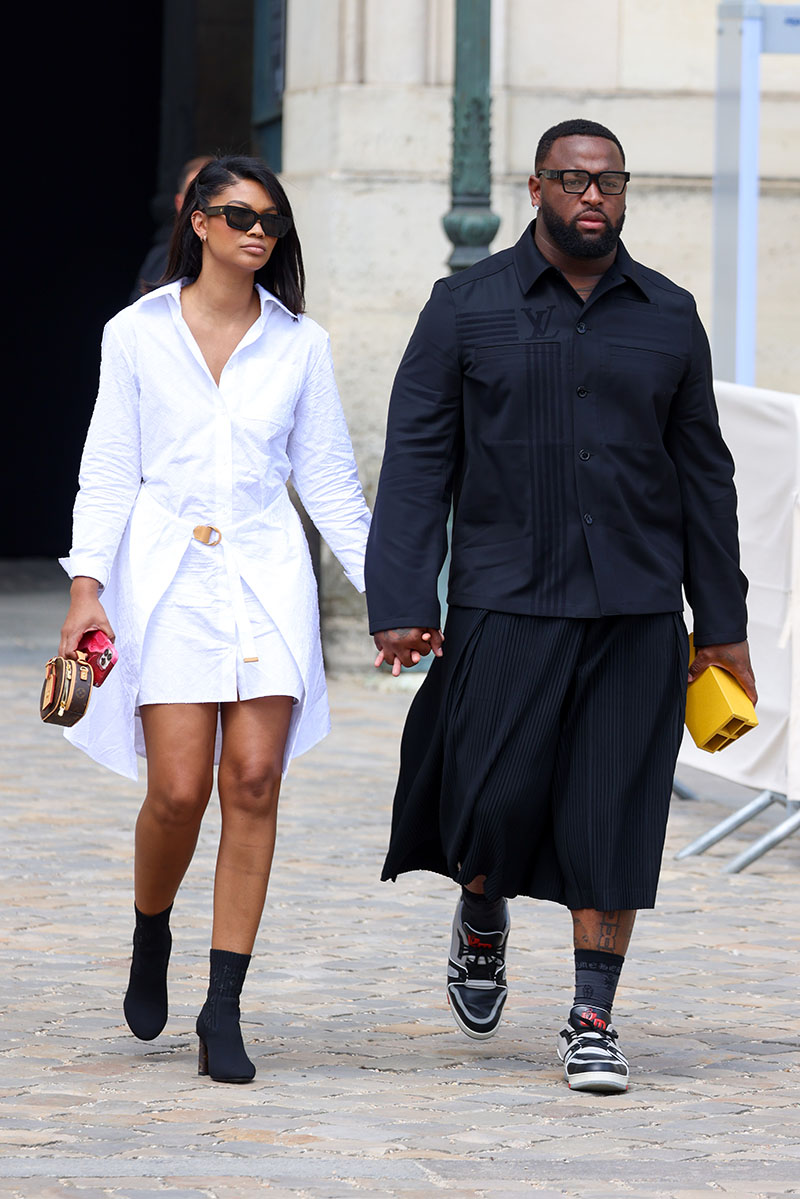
{"x": 587, "y": 518}
{"x": 582, "y": 391}
{"x": 584, "y": 455}
{"x": 580, "y": 327}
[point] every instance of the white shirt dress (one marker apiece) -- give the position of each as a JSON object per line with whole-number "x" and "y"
{"x": 184, "y": 518}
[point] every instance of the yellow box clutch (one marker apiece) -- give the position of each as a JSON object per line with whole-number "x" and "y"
{"x": 717, "y": 709}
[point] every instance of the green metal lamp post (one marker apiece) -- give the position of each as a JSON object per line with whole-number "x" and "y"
{"x": 470, "y": 224}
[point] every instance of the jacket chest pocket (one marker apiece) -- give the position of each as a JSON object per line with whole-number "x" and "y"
{"x": 638, "y": 386}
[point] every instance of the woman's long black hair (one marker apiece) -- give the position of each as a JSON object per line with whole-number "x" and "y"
{"x": 282, "y": 274}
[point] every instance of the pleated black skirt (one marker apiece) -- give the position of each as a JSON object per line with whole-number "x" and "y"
{"x": 540, "y": 753}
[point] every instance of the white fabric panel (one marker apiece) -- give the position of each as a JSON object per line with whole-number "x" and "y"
{"x": 762, "y": 430}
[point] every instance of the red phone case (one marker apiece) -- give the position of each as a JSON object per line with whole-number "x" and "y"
{"x": 100, "y": 652}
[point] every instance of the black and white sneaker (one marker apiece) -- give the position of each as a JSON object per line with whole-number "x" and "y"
{"x": 588, "y": 1049}
{"x": 476, "y": 976}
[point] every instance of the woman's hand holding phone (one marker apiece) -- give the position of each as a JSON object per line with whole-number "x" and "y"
{"x": 85, "y": 614}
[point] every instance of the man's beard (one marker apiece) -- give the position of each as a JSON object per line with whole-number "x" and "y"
{"x": 568, "y": 237}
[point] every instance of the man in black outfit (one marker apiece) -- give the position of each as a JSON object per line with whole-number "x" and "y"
{"x": 558, "y": 395}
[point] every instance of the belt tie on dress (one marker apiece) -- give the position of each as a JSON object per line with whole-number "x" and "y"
{"x": 211, "y": 536}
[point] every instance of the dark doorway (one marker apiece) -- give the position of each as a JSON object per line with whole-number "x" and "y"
{"x": 88, "y": 122}
{"x": 113, "y": 101}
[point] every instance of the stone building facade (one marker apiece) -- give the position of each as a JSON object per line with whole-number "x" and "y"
{"x": 366, "y": 160}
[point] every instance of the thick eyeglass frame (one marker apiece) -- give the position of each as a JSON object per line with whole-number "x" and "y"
{"x": 243, "y": 219}
{"x": 590, "y": 179}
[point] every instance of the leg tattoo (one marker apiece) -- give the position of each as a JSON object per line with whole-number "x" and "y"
{"x": 605, "y": 932}
{"x": 609, "y": 926}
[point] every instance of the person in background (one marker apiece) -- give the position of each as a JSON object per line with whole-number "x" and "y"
{"x": 560, "y": 394}
{"x": 155, "y": 264}
{"x": 215, "y": 390}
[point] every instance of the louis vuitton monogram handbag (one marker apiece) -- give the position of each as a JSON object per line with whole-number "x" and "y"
{"x": 67, "y": 690}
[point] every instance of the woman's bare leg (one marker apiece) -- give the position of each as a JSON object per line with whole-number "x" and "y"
{"x": 254, "y": 733}
{"x": 180, "y": 751}
{"x": 179, "y": 739}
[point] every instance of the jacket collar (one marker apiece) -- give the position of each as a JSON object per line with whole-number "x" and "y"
{"x": 531, "y": 264}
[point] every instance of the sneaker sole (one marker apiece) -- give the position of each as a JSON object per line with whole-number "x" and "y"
{"x": 470, "y": 1032}
{"x": 593, "y": 1082}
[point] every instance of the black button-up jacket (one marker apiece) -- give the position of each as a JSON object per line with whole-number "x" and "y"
{"x": 579, "y": 445}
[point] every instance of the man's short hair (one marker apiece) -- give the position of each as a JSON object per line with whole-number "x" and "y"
{"x": 190, "y": 169}
{"x": 574, "y": 128}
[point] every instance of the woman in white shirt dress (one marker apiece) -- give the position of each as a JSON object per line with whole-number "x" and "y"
{"x": 215, "y": 389}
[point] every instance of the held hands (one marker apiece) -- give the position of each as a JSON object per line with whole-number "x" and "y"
{"x": 735, "y": 658}
{"x": 85, "y": 613}
{"x": 405, "y": 647}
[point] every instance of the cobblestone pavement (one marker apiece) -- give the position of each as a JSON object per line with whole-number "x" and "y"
{"x": 364, "y": 1086}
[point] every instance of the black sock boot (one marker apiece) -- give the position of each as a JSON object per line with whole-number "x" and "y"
{"x": 222, "y": 1054}
{"x": 145, "y": 1003}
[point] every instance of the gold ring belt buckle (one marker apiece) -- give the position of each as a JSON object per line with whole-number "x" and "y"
{"x": 205, "y": 533}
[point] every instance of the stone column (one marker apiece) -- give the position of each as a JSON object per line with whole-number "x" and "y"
{"x": 366, "y": 157}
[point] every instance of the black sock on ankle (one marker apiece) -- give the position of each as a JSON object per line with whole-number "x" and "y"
{"x": 480, "y": 914}
{"x": 153, "y": 926}
{"x": 596, "y": 977}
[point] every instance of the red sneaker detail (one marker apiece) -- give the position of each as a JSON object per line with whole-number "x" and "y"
{"x": 590, "y": 1017}
{"x": 477, "y": 943}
